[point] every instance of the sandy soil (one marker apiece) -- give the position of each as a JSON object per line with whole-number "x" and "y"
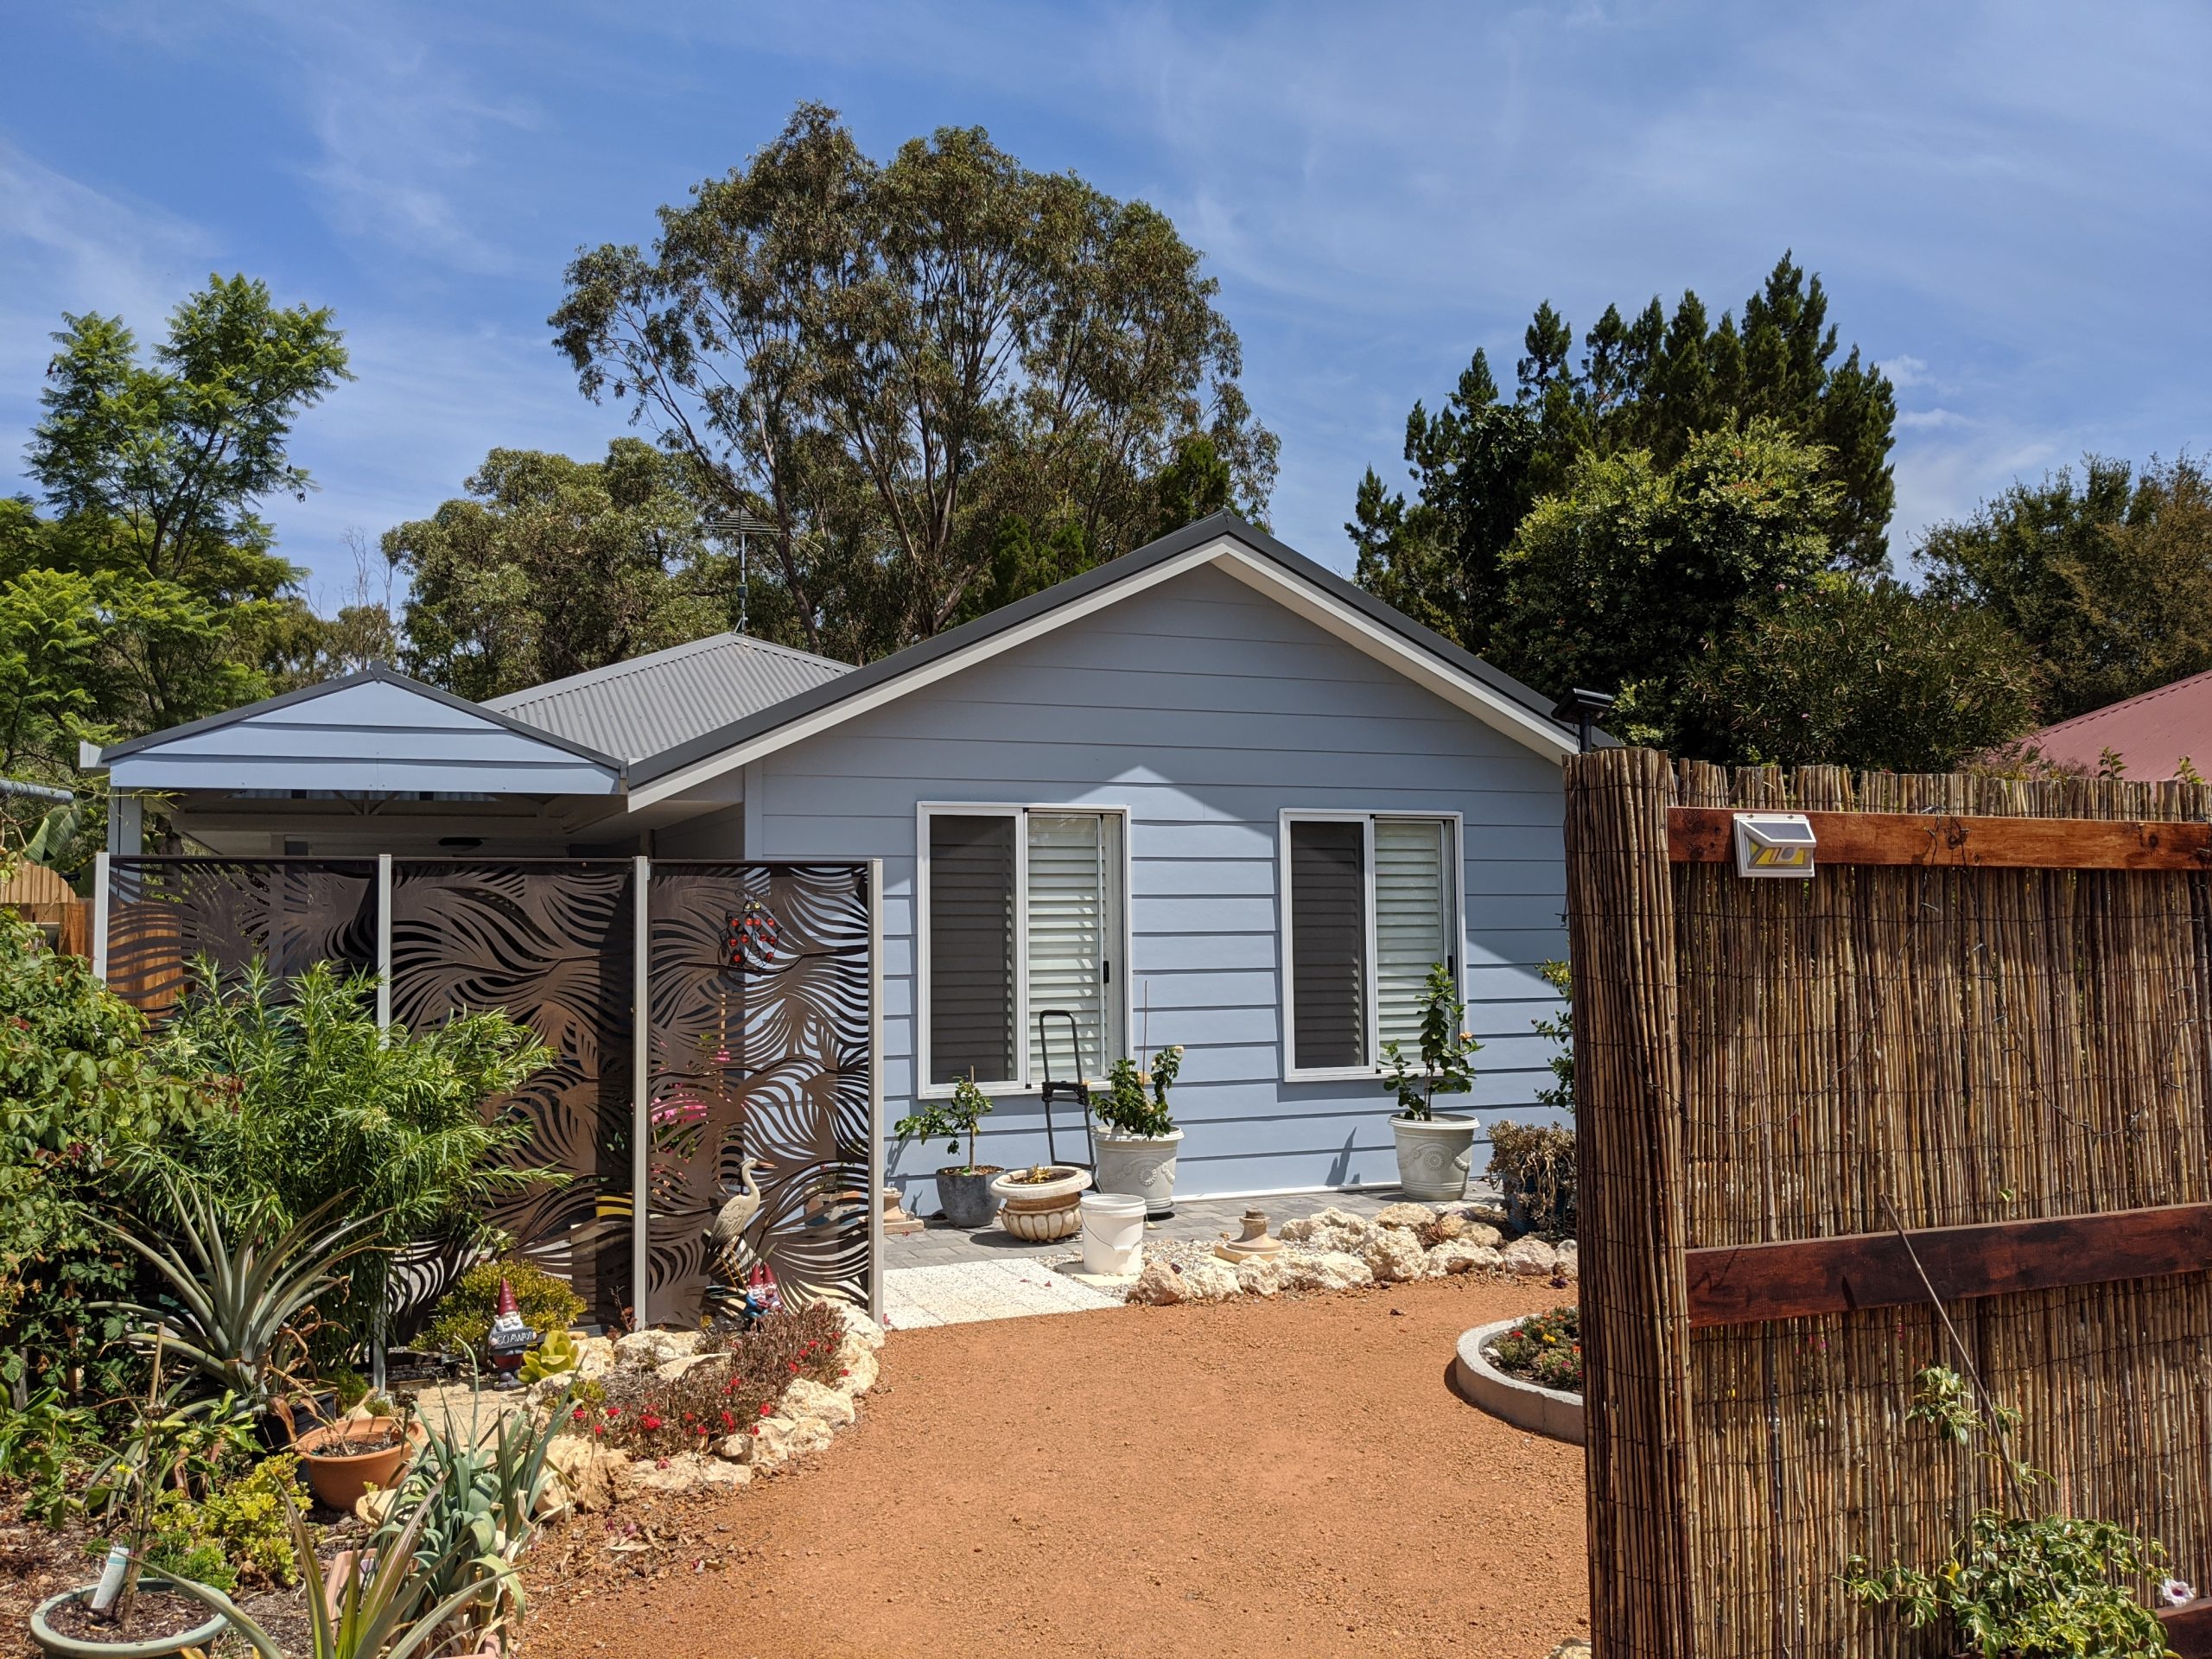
{"x": 1257, "y": 1479}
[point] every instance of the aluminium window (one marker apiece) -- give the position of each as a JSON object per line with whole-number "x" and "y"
{"x": 1370, "y": 904}
{"x": 1021, "y": 910}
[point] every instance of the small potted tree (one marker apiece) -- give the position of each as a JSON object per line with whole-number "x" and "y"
{"x": 1433, "y": 1152}
{"x": 1136, "y": 1139}
{"x": 963, "y": 1190}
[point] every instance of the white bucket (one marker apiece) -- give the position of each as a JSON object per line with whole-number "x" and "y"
{"x": 1113, "y": 1234}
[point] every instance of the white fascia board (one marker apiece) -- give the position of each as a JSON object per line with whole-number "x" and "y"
{"x": 1463, "y": 691}
{"x": 838, "y": 713}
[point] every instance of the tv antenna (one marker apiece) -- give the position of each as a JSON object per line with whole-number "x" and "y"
{"x": 741, "y": 527}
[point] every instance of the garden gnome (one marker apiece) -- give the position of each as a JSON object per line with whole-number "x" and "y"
{"x": 761, "y": 1295}
{"x": 510, "y": 1340}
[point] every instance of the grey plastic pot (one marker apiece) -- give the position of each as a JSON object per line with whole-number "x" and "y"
{"x": 965, "y": 1196}
{"x": 160, "y": 1646}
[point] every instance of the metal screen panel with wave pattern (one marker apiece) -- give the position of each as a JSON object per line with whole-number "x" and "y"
{"x": 165, "y": 913}
{"x": 552, "y": 944}
{"x": 761, "y": 1033}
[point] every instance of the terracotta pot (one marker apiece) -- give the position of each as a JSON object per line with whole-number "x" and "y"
{"x": 1041, "y": 1211}
{"x": 337, "y": 1481}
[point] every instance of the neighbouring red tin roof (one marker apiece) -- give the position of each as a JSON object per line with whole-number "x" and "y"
{"x": 2150, "y": 733}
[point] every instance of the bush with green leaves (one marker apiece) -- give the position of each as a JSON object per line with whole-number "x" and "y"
{"x": 322, "y": 1108}
{"x": 949, "y": 1121}
{"x": 77, "y": 1091}
{"x": 237, "y": 1534}
{"x": 1560, "y": 1096}
{"x": 1135, "y": 1102}
{"x": 462, "y": 1319}
{"x": 2019, "y": 1584}
{"x": 1446, "y": 1048}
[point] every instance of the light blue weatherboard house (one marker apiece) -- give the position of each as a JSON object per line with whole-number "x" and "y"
{"x": 1209, "y": 793}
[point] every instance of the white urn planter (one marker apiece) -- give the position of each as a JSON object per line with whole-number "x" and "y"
{"x": 1138, "y": 1166}
{"x": 1433, "y": 1157}
{"x": 1041, "y": 1211}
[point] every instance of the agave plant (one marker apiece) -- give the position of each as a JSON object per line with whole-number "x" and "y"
{"x": 376, "y": 1614}
{"x": 475, "y": 1501}
{"x": 237, "y": 1299}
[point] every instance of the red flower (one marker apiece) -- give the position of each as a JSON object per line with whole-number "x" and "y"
{"x": 755, "y": 1429}
{"x": 792, "y": 1366}
{"x": 728, "y": 1422}
{"x": 767, "y": 1408}
{"x": 649, "y": 1422}
{"x": 580, "y": 1414}
{"x": 846, "y": 1372}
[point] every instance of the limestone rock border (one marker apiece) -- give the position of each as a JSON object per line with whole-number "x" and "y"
{"x": 1549, "y": 1412}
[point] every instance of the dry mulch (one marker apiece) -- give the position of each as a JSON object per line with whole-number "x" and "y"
{"x": 1260, "y": 1477}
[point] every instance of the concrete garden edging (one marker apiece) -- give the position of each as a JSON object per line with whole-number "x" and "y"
{"x": 1525, "y": 1405}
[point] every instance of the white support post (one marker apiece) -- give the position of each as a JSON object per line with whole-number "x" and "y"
{"x": 876, "y": 1089}
{"x": 641, "y": 1071}
{"x": 384, "y": 1025}
{"x": 100, "y": 902}
{"x": 383, "y": 941}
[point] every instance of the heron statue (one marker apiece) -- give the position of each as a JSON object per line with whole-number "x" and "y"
{"x": 727, "y": 1234}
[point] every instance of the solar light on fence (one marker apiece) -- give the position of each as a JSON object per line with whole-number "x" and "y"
{"x": 1774, "y": 844}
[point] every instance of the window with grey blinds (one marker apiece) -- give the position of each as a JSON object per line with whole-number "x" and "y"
{"x": 1414, "y": 922}
{"x": 971, "y": 924}
{"x": 1074, "y": 869}
{"x": 1328, "y": 935}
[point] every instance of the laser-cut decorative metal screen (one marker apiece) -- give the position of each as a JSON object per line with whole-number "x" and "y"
{"x": 761, "y": 1038}
{"x": 760, "y": 987}
{"x": 165, "y": 913}
{"x": 552, "y": 944}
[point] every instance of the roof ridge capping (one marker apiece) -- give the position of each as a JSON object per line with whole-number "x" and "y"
{"x": 1266, "y": 563}
{"x": 651, "y": 659}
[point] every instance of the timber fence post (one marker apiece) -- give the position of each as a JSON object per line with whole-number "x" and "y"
{"x": 1635, "y": 1297}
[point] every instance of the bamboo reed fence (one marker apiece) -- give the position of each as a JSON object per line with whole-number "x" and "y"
{"x": 1760, "y": 1061}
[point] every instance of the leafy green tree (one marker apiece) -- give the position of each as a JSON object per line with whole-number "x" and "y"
{"x": 1635, "y": 571}
{"x": 1654, "y": 383}
{"x": 1864, "y": 672}
{"x": 153, "y": 467}
{"x": 550, "y": 566}
{"x": 1437, "y": 558}
{"x": 889, "y": 360}
{"x": 2105, "y": 576}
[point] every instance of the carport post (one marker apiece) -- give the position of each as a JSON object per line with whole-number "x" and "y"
{"x": 100, "y": 870}
{"x": 384, "y": 1025}
{"x": 640, "y": 1083}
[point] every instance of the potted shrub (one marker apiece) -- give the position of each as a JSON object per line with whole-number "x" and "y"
{"x": 963, "y": 1190}
{"x": 1136, "y": 1139}
{"x": 345, "y": 1459}
{"x": 1433, "y": 1152}
{"x": 130, "y": 1611}
{"x": 1040, "y": 1201}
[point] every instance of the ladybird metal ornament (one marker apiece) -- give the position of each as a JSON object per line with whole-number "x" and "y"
{"x": 752, "y": 938}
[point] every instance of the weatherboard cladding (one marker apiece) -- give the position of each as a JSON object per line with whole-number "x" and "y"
{"x": 376, "y": 730}
{"x": 654, "y": 702}
{"x": 1205, "y": 708}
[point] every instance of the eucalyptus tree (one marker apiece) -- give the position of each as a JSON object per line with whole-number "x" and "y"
{"x": 890, "y": 361}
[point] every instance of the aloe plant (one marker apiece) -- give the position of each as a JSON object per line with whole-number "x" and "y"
{"x": 237, "y": 1299}
{"x": 378, "y": 1614}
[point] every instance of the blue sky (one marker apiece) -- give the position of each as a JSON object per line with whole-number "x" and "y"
{"x": 2011, "y": 205}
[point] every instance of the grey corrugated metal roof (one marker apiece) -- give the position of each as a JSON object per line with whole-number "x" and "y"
{"x": 652, "y": 703}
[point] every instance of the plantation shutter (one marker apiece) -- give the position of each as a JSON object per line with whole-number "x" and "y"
{"x": 1328, "y": 933}
{"x": 1414, "y": 922}
{"x": 971, "y": 948}
{"x": 1073, "y": 871}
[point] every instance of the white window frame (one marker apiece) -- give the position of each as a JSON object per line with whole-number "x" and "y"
{"x": 1017, "y": 811}
{"x": 1455, "y": 861}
